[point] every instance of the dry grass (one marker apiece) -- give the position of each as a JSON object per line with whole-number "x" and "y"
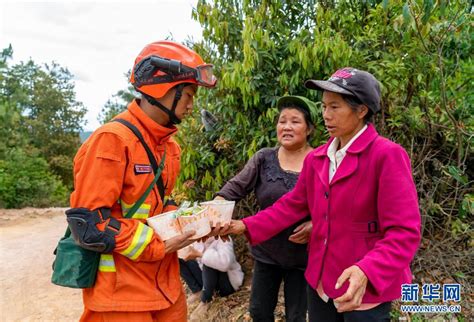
{"x": 429, "y": 266}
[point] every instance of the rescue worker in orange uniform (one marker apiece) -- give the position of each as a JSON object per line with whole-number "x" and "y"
{"x": 138, "y": 277}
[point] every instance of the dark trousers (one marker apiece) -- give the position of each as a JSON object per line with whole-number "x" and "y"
{"x": 326, "y": 312}
{"x": 215, "y": 281}
{"x": 191, "y": 274}
{"x": 264, "y": 296}
{"x": 209, "y": 280}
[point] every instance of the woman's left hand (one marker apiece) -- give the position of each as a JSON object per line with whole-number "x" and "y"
{"x": 216, "y": 231}
{"x": 352, "y": 299}
{"x": 302, "y": 233}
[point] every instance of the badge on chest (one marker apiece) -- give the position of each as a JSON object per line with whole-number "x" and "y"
{"x": 142, "y": 168}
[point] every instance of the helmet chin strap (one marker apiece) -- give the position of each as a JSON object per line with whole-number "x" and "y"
{"x": 171, "y": 113}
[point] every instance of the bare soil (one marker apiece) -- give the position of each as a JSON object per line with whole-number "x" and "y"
{"x": 27, "y": 241}
{"x": 28, "y": 238}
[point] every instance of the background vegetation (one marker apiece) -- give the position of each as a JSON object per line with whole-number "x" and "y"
{"x": 421, "y": 51}
{"x": 41, "y": 120}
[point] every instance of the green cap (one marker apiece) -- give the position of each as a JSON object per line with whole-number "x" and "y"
{"x": 303, "y": 102}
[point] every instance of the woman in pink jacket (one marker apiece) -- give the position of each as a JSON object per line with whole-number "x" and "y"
{"x": 363, "y": 203}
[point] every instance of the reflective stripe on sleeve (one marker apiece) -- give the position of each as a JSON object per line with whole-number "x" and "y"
{"x": 107, "y": 263}
{"x": 142, "y": 213}
{"x": 141, "y": 239}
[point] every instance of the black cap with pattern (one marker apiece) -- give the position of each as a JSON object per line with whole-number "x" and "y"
{"x": 354, "y": 82}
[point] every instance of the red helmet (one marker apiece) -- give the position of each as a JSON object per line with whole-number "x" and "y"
{"x": 164, "y": 64}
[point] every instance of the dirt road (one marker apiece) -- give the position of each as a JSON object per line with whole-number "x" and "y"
{"x": 27, "y": 240}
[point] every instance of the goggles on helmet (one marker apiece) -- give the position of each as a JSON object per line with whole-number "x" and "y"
{"x": 174, "y": 71}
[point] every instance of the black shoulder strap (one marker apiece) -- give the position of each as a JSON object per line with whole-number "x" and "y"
{"x": 151, "y": 157}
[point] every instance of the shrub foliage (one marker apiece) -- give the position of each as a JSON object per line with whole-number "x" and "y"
{"x": 41, "y": 121}
{"x": 421, "y": 51}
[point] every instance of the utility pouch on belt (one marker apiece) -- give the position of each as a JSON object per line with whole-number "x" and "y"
{"x": 74, "y": 266}
{"x": 78, "y": 252}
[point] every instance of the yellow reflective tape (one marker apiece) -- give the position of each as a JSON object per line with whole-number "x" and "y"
{"x": 149, "y": 234}
{"x": 128, "y": 206}
{"x": 140, "y": 240}
{"x": 142, "y": 213}
{"x": 135, "y": 239}
{"x": 141, "y": 210}
{"x": 125, "y": 207}
{"x": 107, "y": 263}
{"x": 107, "y": 269}
{"x": 140, "y": 216}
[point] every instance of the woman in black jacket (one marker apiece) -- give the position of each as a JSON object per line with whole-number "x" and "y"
{"x": 271, "y": 173}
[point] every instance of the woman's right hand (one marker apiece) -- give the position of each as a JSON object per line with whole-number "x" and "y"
{"x": 236, "y": 227}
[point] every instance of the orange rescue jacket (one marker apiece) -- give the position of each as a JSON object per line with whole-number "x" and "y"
{"x": 112, "y": 170}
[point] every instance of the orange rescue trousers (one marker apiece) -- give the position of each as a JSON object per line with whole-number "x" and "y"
{"x": 177, "y": 312}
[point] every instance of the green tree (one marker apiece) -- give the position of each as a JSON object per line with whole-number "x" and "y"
{"x": 11, "y": 132}
{"x": 41, "y": 120}
{"x": 421, "y": 51}
{"x": 26, "y": 180}
{"x": 41, "y": 104}
{"x": 117, "y": 104}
